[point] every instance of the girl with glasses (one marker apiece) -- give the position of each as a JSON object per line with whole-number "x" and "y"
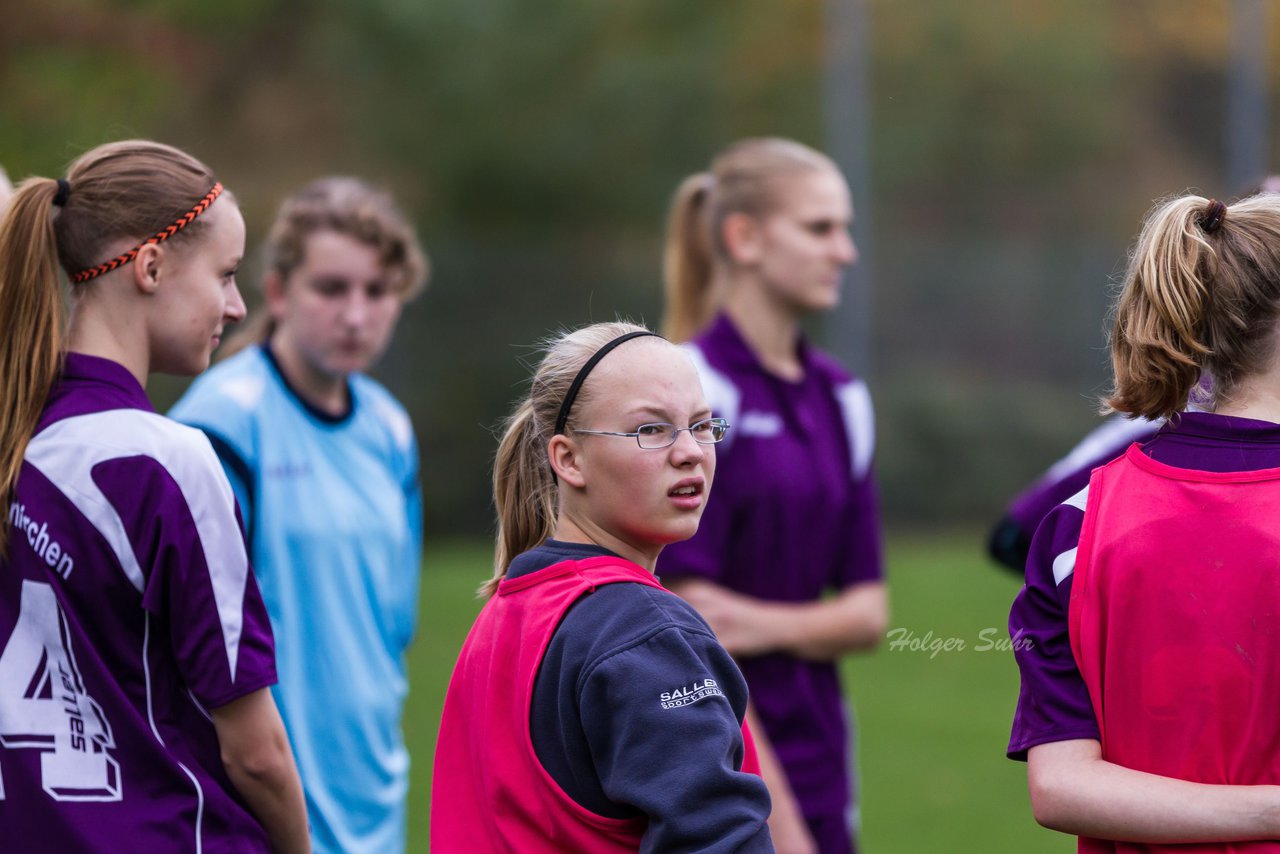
{"x": 591, "y": 710}
{"x": 1151, "y": 609}
{"x": 755, "y": 244}
{"x": 135, "y": 650}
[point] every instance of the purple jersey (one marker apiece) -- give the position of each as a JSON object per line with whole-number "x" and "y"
{"x": 127, "y": 609}
{"x": 1011, "y": 539}
{"x": 1053, "y": 704}
{"x": 793, "y": 514}
{"x": 1070, "y": 474}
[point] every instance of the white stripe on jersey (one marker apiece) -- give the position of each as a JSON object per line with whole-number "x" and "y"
{"x": 1078, "y": 500}
{"x": 722, "y": 394}
{"x": 1065, "y": 563}
{"x": 67, "y": 451}
{"x": 859, "y": 425}
{"x": 1113, "y": 435}
{"x": 199, "y": 808}
{"x": 151, "y": 719}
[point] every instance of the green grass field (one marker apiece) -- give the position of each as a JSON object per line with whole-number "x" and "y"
{"x": 932, "y": 727}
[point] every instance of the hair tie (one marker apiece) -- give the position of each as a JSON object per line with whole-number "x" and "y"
{"x": 1212, "y": 217}
{"x": 563, "y": 418}
{"x": 159, "y": 237}
{"x": 64, "y": 190}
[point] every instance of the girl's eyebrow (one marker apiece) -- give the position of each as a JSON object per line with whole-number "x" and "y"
{"x": 642, "y": 409}
{"x": 659, "y": 412}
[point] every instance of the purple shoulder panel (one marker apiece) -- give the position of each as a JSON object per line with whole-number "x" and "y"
{"x": 1053, "y": 703}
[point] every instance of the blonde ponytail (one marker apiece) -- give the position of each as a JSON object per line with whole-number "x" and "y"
{"x": 32, "y": 317}
{"x": 688, "y": 260}
{"x": 525, "y": 492}
{"x": 1200, "y": 301}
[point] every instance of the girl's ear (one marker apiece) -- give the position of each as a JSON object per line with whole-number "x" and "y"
{"x": 743, "y": 238}
{"x": 273, "y": 290}
{"x": 147, "y": 267}
{"x": 565, "y": 460}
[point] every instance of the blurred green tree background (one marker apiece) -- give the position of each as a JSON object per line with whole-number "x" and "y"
{"x": 1015, "y": 148}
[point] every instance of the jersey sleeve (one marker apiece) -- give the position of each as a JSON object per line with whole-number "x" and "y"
{"x": 862, "y": 552}
{"x": 413, "y": 501}
{"x": 216, "y": 404}
{"x": 1053, "y": 702}
{"x": 239, "y": 476}
{"x": 1010, "y": 540}
{"x": 663, "y": 721}
{"x": 413, "y": 509}
{"x": 864, "y": 545}
{"x": 181, "y": 519}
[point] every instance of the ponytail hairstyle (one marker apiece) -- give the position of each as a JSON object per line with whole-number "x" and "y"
{"x": 748, "y": 177}
{"x": 123, "y": 190}
{"x": 524, "y": 487}
{"x": 347, "y": 206}
{"x": 1199, "y": 306}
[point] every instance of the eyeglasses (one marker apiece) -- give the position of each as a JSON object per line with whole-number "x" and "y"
{"x": 654, "y": 437}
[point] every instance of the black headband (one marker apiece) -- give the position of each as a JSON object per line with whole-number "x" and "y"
{"x": 563, "y": 417}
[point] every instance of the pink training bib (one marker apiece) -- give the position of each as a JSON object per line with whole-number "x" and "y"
{"x": 489, "y": 791}
{"x": 1175, "y": 625}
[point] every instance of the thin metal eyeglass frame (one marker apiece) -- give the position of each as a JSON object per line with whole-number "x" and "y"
{"x": 675, "y": 432}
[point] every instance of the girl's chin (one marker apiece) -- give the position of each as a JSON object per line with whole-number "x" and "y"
{"x": 679, "y": 533}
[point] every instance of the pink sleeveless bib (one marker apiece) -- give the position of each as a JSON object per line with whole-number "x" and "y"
{"x": 489, "y": 791}
{"x": 1175, "y": 625}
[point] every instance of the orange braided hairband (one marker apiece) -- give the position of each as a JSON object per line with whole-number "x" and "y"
{"x": 164, "y": 234}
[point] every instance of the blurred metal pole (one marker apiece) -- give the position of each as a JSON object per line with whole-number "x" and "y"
{"x": 846, "y": 102}
{"x": 1247, "y": 115}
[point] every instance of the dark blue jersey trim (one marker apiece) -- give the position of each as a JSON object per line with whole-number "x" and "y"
{"x": 315, "y": 412}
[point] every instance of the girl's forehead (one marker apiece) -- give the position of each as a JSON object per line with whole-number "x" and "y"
{"x": 637, "y": 360}
{"x": 815, "y": 189}
{"x": 653, "y": 373}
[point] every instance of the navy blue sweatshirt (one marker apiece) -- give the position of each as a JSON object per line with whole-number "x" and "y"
{"x": 637, "y": 713}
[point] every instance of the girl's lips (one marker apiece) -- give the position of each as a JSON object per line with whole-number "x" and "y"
{"x": 689, "y": 486}
{"x": 687, "y": 494}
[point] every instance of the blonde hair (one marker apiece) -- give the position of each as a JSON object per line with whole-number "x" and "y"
{"x": 745, "y": 178}
{"x": 347, "y": 206}
{"x": 130, "y": 189}
{"x": 1200, "y": 302}
{"x": 524, "y": 487}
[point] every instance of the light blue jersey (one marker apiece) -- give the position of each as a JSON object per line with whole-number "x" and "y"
{"x": 333, "y": 511}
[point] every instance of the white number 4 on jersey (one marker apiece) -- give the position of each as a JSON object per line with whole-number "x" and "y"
{"x": 44, "y": 706}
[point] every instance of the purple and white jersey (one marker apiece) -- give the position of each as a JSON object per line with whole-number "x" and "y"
{"x": 1070, "y": 474}
{"x": 127, "y": 609}
{"x": 1053, "y": 704}
{"x": 793, "y": 514}
{"x": 1010, "y": 540}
